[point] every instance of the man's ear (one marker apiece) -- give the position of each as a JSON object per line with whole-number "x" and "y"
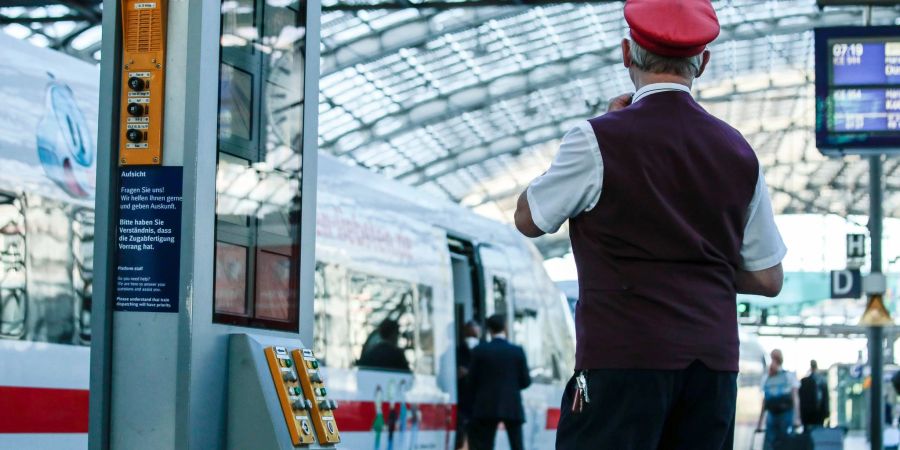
{"x": 626, "y": 52}
{"x": 704, "y": 63}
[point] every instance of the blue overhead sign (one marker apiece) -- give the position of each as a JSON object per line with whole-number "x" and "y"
{"x": 148, "y": 247}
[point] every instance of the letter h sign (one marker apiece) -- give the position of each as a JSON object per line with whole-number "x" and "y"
{"x": 856, "y": 250}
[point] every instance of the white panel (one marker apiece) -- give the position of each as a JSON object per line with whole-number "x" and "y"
{"x": 43, "y": 441}
{"x": 38, "y": 364}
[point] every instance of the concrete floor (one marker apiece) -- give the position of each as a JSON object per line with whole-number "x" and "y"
{"x": 856, "y": 441}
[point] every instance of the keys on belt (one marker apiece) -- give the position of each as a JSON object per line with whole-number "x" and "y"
{"x": 581, "y": 393}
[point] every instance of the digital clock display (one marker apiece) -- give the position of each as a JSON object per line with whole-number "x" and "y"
{"x": 865, "y": 63}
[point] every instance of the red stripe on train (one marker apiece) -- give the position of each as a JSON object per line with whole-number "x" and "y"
{"x": 359, "y": 416}
{"x": 553, "y": 418}
{"x": 46, "y": 410}
{"x": 43, "y": 410}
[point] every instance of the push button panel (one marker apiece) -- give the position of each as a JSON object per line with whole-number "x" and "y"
{"x": 143, "y": 80}
{"x": 322, "y": 412}
{"x": 294, "y": 404}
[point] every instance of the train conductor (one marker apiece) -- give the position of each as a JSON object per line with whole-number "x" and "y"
{"x": 669, "y": 218}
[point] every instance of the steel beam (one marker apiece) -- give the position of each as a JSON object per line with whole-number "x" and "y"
{"x": 734, "y": 32}
{"x": 438, "y": 4}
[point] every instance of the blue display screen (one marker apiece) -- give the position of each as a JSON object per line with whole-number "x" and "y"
{"x": 860, "y": 63}
{"x": 857, "y": 89}
{"x": 876, "y": 109}
{"x": 865, "y": 86}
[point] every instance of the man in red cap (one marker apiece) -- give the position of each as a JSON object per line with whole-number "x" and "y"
{"x": 669, "y": 218}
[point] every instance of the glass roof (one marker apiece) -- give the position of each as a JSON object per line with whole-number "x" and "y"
{"x": 469, "y": 103}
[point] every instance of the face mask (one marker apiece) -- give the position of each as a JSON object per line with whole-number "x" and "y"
{"x": 471, "y": 342}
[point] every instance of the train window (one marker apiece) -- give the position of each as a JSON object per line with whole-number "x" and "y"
{"x": 13, "y": 296}
{"x": 373, "y": 322}
{"x": 533, "y": 333}
{"x": 499, "y": 296}
{"x": 83, "y": 270}
{"x": 258, "y": 172}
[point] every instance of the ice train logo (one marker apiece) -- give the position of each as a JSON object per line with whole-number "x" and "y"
{"x": 64, "y": 142}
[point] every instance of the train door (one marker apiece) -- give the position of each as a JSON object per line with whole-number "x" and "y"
{"x": 468, "y": 298}
{"x": 468, "y": 305}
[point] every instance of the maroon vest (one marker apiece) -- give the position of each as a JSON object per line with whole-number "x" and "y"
{"x": 658, "y": 253}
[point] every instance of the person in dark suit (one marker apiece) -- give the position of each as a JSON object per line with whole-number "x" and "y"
{"x": 386, "y": 354}
{"x": 471, "y": 334}
{"x": 498, "y": 373}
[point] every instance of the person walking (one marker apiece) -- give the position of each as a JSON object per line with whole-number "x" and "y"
{"x": 669, "y": 218}
{"x": 471, "y": 333}
{"x": 814, "y": 399}
{"x": 780, "y": 402}
{"x": 498, "y": 373}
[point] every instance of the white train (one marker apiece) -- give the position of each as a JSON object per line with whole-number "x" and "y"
{"x": 384, "y": 251}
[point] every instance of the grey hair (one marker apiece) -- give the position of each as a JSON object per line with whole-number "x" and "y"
{"x": 649, "y": 62}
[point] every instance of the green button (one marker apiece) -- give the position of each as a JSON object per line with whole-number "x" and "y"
{"x": 322, "y": 391}
{"x": 315, "y": 364}
{"x": 288, "y": 363}
{"x": 296, "y": 391}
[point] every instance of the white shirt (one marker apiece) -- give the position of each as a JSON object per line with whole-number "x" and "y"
{"x": 573, "y": 183}
{"x": 791, "y": 377}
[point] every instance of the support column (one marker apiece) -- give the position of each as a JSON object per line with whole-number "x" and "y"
{"x": 876, "y": 332}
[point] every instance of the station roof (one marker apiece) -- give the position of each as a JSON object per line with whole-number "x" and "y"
{"x": 468, "y": 99}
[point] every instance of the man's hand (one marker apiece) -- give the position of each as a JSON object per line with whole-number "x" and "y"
{"x": 524, "y": 221}
{"x": 620, "y": 102}
{"x": 767, "y": 282}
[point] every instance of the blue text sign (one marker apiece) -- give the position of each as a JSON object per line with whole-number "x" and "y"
{"x": 148, "y": 233}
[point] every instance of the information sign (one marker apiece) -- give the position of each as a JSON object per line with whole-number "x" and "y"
{"x": 856, "y": 246}
{"x": 857, "y": 89}
{"x": 148, "y": 235}
{"x": 846, "y": 283}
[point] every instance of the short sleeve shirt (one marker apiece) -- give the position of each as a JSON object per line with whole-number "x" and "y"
{"x": 787, "y": 383}
{"x": 574, "y": 182}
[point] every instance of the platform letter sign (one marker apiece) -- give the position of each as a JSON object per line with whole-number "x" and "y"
{"x": 846, "y": 283}
{"x": 856, "y": 247}
{"x": 148, "y": 247}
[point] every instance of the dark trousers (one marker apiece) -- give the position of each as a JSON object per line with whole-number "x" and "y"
{"x": 462, "y": 430}
{"x": 630, "y": 409}
{"x": 482, "y": 433}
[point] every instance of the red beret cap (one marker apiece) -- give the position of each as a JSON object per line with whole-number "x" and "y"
{"x": 674, "y": 28}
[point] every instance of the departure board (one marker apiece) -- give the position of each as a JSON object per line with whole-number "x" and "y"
{"x": 857, "y": 89}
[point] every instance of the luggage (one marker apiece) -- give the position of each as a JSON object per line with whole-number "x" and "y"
{"x": 827, "y": 438}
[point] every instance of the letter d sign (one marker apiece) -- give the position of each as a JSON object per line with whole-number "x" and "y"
{"x": 846, "y": 283}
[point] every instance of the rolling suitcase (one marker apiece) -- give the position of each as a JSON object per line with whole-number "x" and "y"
{"x": 827, "y": 438}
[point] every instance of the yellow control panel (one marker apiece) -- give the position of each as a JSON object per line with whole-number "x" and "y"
{"x": 322, "y": 411}
{"x": 143, "y": 82}
{"x": 294, "y": 404}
